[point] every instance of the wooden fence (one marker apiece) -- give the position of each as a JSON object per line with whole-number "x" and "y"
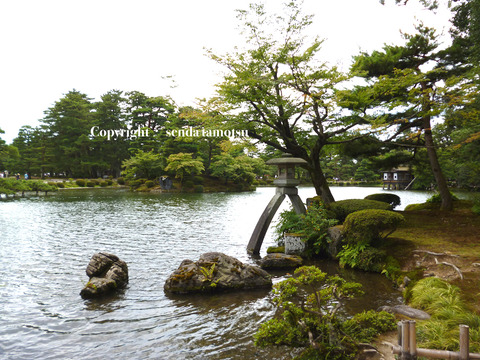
{"x": 407, "y": 349}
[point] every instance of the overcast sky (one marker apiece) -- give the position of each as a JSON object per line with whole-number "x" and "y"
{"x": 49, "y": 47}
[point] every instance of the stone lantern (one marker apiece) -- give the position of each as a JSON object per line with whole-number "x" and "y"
{"x": 286, "y": 185}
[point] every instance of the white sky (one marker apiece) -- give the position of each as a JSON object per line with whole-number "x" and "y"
{"x": 49, "y": 47}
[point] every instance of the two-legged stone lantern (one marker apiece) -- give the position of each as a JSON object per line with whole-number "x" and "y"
{"x": 286, "y": 185}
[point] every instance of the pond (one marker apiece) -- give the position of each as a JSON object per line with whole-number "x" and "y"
{"x": 47, "y": 242}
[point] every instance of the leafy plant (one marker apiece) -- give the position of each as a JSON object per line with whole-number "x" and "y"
{"x": 438, "y": 199}
{"x": 308, "y": 303}
{"x": 208, "y": 273}
{"x": 312, "y": 226}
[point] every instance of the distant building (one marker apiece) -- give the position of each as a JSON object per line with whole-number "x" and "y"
{"x": 397, "y": 179}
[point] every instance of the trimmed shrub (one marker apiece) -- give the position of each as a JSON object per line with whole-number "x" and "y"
{"x": 149, "y": 184}
{"x": 91, "y": 183}
{"x": 134, "y": 184}
{"x": 52, "y": 183}
{"x": 60, "y": 185}
{"x": 198, "y": 188}
{"x": 391, "y": 199}
{"x": 341, "y": 209}
{"x": 198, "y": 180}
{"x": 80, "y": 182}
{"x": 121, "y": 181}
{"x": 188, "y": 184}
{"x": 369, "y": 225}
{"x": 103, "y": 183}
{"x": 109, "y": 182}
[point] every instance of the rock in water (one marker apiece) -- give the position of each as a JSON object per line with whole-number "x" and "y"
{"x": 107, "y": 274}
{"x": 215, "y": 272}
{"x": 280, "y": 261}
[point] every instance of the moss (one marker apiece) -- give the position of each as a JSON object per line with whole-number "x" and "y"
{"x": 275, "y": 249}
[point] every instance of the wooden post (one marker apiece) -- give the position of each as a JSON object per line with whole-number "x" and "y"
{"x": 413, "y": 340}
{"x": 405, "y": 340}
{"x": 464, "y": 343}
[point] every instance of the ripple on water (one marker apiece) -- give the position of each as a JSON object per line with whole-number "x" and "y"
{"x": 46, "y": 243}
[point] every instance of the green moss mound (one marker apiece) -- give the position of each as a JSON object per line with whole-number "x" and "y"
{"x": 370, "y": 225}
{"x": 341, "y": 209}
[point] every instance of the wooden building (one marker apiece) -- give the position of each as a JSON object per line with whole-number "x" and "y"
{"x": 397, "y": 179}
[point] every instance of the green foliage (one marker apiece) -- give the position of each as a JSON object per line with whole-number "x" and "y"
{"x": 476, "y": 207}
{"x": 143, "y": 165}
{"x": 149, "y": 184}
{"x": 308, "y": 303}
{"x": 91, "y": 183}
{"x": 188, "y": 184}
{"x": 60, "y": 185}
{"x": 341, "y": 209}
{"x": 184, "y": 164}
{"x": 437, "y": 199}
{"x": 198, "y": 180}
{"x": 392, "y": 199}
{"x": 198, "y": 188}
{"x": 367, "y": 325}
{"x": 444, "y": 303}
{"x": 312, "y": 226}
{"x": 80, "y": 182}
{"x": 366, "y": 226}
{"x": 121, "y": 181}
{"x": 103, "y": 184}
{"x": 362, "y": 256}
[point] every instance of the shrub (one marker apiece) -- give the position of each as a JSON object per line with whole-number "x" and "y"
{"x": 142, "y": 181}
{"x": 367, "y": 325}
{"x": 198, "y": 188}
{"x": 109, "y": 182}
{"x": 370, "y": 225}
{"x": 80, "y": 182}
{"x": 61, "y": 185}
{"x": 149, "y": 184}
{"x": 188, "y": 184}
{"x": 362, "y": 256}
{"x": 476, "y": 207}
{"x": 308, "y": 304}
{"x": 198, "y": 180}
{"x": 103, "y": 184}
{"x": 341, "y": 209}
{"x": 52, "y": 183}
{"x": 437, "y": 199}
{"x": 121, "y": 181}
{"x": 392, "y": 199}
{"x": 134, "y": 184}
{"x": 313, "y": 225}
{"x": 91, "y": 183}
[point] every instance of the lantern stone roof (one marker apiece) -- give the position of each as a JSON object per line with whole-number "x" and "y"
{"x": 286, "y": 159}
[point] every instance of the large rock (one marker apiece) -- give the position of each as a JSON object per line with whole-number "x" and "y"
{"x": 407, "y": 311}
{"x": 280, "y": 261}
{"x": 107, "y": 274}
{"x": 216, "y": 271}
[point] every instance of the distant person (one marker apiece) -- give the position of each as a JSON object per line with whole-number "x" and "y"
{"x": 17, "y": 176}
{"x": 26, "y": 176}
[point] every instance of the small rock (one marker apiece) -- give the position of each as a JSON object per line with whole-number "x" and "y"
{"x": 407, "y": 311}
{"x": 280, "y": 261}
{"x": 107, "y": 274}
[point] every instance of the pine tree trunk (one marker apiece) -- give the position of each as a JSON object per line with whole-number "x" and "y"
{"x": 320, "y": 183}
{"x": 447, "y": 201}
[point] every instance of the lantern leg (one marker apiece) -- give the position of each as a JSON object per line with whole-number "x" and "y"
{"x": 297, "y": 204}
{"x": 260, "y": 230}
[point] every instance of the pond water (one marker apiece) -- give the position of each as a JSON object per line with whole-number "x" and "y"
{"x": 47, "y": 242}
